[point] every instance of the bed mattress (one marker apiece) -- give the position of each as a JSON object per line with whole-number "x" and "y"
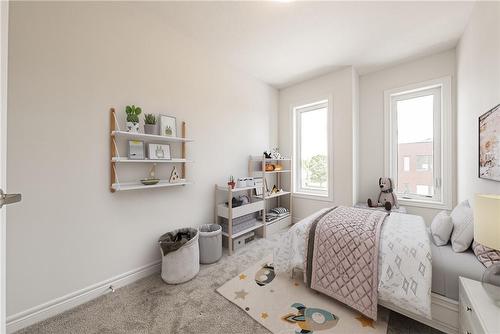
{"x": 447, "y": 266}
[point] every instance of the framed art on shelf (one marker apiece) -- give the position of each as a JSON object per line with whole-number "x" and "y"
{"x": 159, "y": 152}
{"x": 489, "y": 144}
{"x": 135, "y": 150}
{"x": 168, "y": 126}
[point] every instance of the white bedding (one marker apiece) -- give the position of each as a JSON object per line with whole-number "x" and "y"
{"x": 405, "y": 271}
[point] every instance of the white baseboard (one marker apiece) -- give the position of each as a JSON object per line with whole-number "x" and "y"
{"x": 444, "y": 312}
{"x": 49, "y": 309}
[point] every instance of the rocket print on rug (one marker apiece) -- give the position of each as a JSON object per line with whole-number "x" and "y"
{"x": 265, "y": 275}
{"x": 311, "y": 319}
{"x": 285, "y": 305}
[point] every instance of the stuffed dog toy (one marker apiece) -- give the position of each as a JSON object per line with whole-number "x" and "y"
{"x": 386, "y": 197}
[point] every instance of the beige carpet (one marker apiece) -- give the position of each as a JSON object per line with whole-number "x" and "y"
{"x": 151, "y": 306}
{"x": 284, "y": 304}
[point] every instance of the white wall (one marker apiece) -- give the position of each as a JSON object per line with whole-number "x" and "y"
{"x": 68, "y": 64}
{"x": 371, "y": 114}
{"x": 339, "y": 85}
{"x": 478, "y": 90}
{"x": 355, "y": 135}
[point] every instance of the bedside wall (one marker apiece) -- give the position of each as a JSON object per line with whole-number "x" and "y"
{"x": 478, "y": 90}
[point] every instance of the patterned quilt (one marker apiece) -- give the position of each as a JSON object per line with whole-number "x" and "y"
{"x": 342, "y": 256}
{"x": 404, "y": 260}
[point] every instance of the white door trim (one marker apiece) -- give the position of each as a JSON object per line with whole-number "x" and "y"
{"x": 4, "y": 26}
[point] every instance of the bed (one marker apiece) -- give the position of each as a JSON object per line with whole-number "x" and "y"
{"x": 435, "y": 301}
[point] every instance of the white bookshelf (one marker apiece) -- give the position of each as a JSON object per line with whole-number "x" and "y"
{"x": 225, "y": 194}
{"x": 115, "y": 159}
{"x": 283, "y": 179}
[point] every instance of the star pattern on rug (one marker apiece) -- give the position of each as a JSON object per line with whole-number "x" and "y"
{"x": 264, "y": 315}
{"x": 240, "y": 294}
{"x": 365, "y": 321}
{"x": 242, "y": 277}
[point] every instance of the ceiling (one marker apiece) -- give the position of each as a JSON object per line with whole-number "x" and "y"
{"x": 282, "y": 43}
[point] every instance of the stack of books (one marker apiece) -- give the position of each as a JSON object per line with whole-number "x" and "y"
{"x": 276, "y": 213}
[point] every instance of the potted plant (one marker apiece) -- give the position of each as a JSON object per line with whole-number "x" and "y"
{"x": 133, "y": 113}
{"x": 231, "y": 182}
{"x": 150, "y": 124}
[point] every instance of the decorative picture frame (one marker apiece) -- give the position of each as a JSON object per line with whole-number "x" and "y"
{"x": 489, "y": 144}
{"x": 159, "y": 152}
{"x": 135, "y": 150}
{"x": 168, "y": 126}
{"x": 259, "y": 183}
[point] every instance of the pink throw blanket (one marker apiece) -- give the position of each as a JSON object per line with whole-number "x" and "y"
{"x": 342, "y": 256}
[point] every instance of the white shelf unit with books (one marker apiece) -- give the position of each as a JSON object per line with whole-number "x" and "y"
{"x": 283, "y": 179}
{"x": 115, "y": 159}
{"x": 224, "y": 210}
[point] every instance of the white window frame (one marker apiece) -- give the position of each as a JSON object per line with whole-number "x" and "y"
{"x": 443, "y": 144}
{"x": 312, "y": 104}
{"x": 406, "y": 159}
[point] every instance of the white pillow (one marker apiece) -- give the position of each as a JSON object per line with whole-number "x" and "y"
{"x": 441, "y": 228}
{"x": 463, "y": 227}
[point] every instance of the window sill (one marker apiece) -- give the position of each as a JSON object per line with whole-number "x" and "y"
{"x": 313, "y": 197}
{"x": 418, "y": 203}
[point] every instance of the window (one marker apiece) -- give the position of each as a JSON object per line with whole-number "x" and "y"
{"x": 406, "y": 164}
{"x": 311, "y": 133}
{"x": 424, "y": 163}
{"x": 418, "y": 128}
{"x": 424, "y": 190}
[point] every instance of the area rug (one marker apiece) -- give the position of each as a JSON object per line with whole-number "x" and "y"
{"x": 284, "y": 304}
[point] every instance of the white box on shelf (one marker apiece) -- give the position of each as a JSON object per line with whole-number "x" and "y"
{"x": 240, "y": 242}
{"x": 242, "y": 183}
{"x": 250, "y": 182}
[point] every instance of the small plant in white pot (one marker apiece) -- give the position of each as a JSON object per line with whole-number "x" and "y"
{"x": 150, "y": 124}
{"x": 133, "y": 113}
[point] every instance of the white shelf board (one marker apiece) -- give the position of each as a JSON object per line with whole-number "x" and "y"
{"x": 277, "y": 220}
{"x": 275, "y": 195}
{"x": 273, "y": 172}
{"x": 226, "y": 188}
{"x": 223, "y": 210}
{"x": 120, "y": 160}
{"x": 145, "y": 137}
{"x": 235, "y": 235}
{"x": 138, "y": 185}
{"x": 260, "y": 159}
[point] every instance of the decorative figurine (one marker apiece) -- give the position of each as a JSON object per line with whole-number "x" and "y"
{"x": 174, "y": 176}
{"x": 152, "y": 179}
{"x": 386, "y": 197}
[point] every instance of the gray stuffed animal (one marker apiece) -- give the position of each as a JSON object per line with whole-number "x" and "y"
{"x": 386, "y": 197}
